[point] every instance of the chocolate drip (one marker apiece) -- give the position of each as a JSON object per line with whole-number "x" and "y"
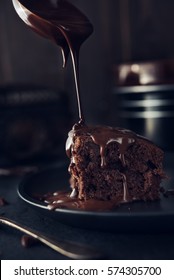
{"x": 126, "y": 197}
{"x": 62, "y": 23}
{"x": 102, "y": 136}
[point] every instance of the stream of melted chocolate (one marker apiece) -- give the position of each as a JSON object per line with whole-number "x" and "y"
{"x": 62, "y": 23}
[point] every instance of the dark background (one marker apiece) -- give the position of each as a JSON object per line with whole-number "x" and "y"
{"x": 125, "y": 31}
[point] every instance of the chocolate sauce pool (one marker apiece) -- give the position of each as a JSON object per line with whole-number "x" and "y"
{"x": 63, "y": 200}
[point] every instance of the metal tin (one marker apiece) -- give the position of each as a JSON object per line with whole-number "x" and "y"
{"x": 146, "y": 109}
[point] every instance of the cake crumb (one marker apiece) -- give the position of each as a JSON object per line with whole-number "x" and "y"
{"x": 3, "y": 202}
{"x": 28, "y": 241}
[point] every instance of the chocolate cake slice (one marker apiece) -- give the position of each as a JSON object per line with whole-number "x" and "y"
{"x": 113, "y": 164}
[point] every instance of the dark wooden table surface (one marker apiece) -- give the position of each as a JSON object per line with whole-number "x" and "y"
{"x": 115, "y": 245}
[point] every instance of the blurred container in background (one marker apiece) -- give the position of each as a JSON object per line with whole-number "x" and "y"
{"x": 34, "y": 122}
{"x": 143, "y": 100}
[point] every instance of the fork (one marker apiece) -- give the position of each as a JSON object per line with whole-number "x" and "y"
{"x": 73, "y": 250}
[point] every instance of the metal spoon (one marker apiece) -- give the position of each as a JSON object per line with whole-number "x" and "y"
{"x": 69, "y": 249}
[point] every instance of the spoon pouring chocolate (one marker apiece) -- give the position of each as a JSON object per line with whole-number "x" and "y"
{"x": 62, "y": 23}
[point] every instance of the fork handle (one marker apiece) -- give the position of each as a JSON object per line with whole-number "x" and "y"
{"x": 67, "y": 248}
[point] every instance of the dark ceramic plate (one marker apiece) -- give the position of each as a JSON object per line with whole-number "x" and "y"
{"x": 136, "y": 217}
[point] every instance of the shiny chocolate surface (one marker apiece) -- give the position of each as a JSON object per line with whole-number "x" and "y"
{"x": 62, "y": 23}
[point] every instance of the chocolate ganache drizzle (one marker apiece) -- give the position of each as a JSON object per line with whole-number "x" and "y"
{"x": 62, "y": 23}
{"x": 102, "y": 136}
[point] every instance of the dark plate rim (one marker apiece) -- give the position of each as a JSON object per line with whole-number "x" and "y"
{"x": 39, "y": 204}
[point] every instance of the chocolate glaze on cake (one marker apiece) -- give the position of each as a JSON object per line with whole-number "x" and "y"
{"x": 108, "y": 167}
{"x": 106, "y": 152}
{"x": 102, "y": 136}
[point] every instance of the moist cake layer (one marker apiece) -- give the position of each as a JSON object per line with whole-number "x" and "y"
{"x": 113, "y": 164}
